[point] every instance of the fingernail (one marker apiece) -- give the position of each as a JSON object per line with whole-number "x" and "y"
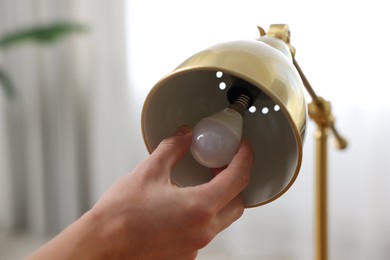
{"x": 183, "y": 130}
{"x": 247, "y": 142}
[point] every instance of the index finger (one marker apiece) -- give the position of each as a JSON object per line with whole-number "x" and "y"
{"x": 226, "y": 185}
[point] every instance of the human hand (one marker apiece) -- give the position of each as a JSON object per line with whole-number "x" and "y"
{"x": 148, "y": 217}
{"x": 145, "y": 216}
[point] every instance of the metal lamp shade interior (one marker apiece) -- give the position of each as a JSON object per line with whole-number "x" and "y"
{"x": 204, "y": 84}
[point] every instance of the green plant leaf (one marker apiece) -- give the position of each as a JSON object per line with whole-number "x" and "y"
{"x": 41, "y": 34}
{"x": 6, "y": 83}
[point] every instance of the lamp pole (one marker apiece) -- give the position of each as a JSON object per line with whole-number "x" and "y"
{"x": 320, "y": 112}
{"x": 321, "y": 203}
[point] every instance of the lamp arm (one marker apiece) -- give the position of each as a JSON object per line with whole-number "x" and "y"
{"x": 320, "y": 111}
{"x": 306, "y": 83}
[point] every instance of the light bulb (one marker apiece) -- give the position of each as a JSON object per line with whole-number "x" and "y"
{"x": 216, "y": 138}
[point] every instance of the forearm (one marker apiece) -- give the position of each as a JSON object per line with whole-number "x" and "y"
{"x": 144, "y": 216}
{"x": 84, "y": 239}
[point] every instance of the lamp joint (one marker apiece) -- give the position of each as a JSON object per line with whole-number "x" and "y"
{"x": 282, "y": 32}
{"x": 320, "y": 112}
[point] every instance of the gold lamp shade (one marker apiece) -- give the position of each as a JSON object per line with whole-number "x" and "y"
{"x": 208, "y": 82}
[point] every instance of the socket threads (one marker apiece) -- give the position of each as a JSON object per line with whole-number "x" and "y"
{"x": 241, "y": 104}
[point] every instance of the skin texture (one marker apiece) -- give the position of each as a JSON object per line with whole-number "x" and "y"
{"x": 145, "y": 216}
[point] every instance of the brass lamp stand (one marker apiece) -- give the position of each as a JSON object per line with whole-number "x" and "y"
{"x": 320, "y": 112}
{"x": 265, "y": 70}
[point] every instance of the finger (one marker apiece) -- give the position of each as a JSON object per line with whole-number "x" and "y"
{"x": 216, "y": 171}
{"x": 188, "y": 256}
{"x": 229, "y": 214}
{"x": 172, "y": 149}
{"x": 231, "y": 181}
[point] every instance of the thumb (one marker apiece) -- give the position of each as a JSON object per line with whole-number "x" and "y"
{"x": 173, "y": 149}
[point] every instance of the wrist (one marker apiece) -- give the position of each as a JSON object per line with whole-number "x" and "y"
{"x": 94, "y": 241}
{"x": 110, "y": 234}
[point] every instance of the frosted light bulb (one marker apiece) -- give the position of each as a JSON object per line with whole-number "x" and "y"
{"x": 216, "y": 138}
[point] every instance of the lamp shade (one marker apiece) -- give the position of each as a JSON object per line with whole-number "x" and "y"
{"x": 208, "y": 82}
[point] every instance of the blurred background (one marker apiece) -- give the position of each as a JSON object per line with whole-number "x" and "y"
{"x": 71, "y": 125}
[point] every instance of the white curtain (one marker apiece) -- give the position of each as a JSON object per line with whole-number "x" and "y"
{"x": 72, "y": 128}
{"x": 65, "y": 136}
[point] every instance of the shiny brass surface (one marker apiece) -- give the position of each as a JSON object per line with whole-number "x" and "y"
{"x": 261, "y": 31}
{"x": 306, "y": 83}
{"x": 321, "y": 194}
{"x": 260, "y": 65}
{"x": 280, "y": 31}
{"x": 191, "y": 92}
{"x": 320, "y": 112}
{"x": 268, "y": 64}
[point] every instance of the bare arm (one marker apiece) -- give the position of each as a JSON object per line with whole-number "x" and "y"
{"x": 144, "y": 216}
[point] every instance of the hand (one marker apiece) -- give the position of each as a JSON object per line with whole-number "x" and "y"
{"x": 145, "y": 216}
